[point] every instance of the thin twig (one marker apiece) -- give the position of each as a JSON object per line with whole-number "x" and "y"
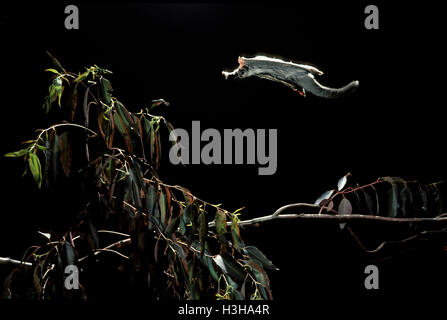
{"x": 108, "y": 248}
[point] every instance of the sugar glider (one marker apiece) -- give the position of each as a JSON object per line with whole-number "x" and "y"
{"x": 299, "y": 77}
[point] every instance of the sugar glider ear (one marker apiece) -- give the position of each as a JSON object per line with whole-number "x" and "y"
{"x": 241, "y": 61}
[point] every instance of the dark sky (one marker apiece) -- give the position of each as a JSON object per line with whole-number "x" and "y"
{"x": 393, "y": 125}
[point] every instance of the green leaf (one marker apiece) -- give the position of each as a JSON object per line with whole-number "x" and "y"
{"x": 16, "y": 153}
{"x": 70, "y": 255}
{"x": 173, "y": 225}
{"x": 260, "y": 275}
{"x": 188, "y": 213}
{"x": 53, "y": 70}
{"x": 106, "y": 90}
{"x": 56, "y": 63}
{"x": 36, "y": 171}
{"x": 123, "y": 130}
{"x": 209, "y": 262}
{"x": 236, "y": 234}
{"x": 82, "y": 76}
{"x": 221, "y": 222}
{"x": 234, "y": 269}
{"x": 256, "y": 254}
{"x": 56, "y": 91}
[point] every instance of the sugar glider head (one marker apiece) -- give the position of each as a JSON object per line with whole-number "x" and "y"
{"x": 240, "y": 72}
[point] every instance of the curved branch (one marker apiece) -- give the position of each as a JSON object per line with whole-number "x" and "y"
{"x": 339, "y": 218}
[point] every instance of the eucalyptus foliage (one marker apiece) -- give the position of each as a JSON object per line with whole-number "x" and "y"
{"x": 178, "y": 245}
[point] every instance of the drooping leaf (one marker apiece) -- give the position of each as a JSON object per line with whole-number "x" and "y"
{"x": 163, "y": 211}
{"x": 158, "y": 102}
{"x": 358, "y": 201}
{"x": 406, "y": 199}
{"x": 261, "y": 276}
{"x": 134, "y": 186}
{"x": 376, "y": 195}
{"x": 236, "y": 234}
{"x": 53, "y": 71}
{"x": 82, "y": 76}
{"x": 124, "y": 131}
{"x": 435, "y": 199}
{"x": 35, "y": 168}
{"x": 72, "y": 103}
{"x": 56, "y": 63}
{"x": 106, "y": 128}
{"x": 106, "y": 90}
{"x": 221, "y": 222}
{"x": 86, "y": 107}
{"x": 54, "y": 93}
{"x": 56, "y": 90}
{"x": 368, "y": 201}
{"x": 65, "y": 153}
{"x": 173, "y": 225}
{"x": 203, "y": 229}
{"x": 344, "y": 208}
{"x": 393, "y": 197}
{"x": 220, "y": 263}
{"x": 342, "y": 182}
{"x": 234, "y": 269}
{"x": 181, "y": 254}
{"x": 17, "y": 153}
{"x": 212, "y": 270}
{"x": 423, "y": 199}
{"x": 325, "y": 196}
{"x": 70, "y": 256}
{"x": 256, "y": 254}
{"x": 55, "y": 156}
{"x": 187, "y": 213}
{"x": 330, "y": 206}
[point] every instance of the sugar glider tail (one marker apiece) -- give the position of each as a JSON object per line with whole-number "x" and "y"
{"x": 310, "y": 84}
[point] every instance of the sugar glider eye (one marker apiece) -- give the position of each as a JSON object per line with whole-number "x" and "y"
{"x": 243, "y": 69}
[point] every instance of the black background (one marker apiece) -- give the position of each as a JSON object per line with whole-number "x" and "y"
{"x": 392, "y": 125}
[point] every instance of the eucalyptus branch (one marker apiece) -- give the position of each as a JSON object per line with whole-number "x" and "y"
{"x": 339, "y": 218}
{"x": 15, "y": 262}
{"x": 64, "y": 124}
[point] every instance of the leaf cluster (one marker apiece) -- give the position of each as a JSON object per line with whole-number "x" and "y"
{"x": 156, "y": 232}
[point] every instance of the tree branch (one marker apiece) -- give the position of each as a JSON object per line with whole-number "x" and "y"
{"x": 339, "y": 218}
{"x": 14, "y": 262}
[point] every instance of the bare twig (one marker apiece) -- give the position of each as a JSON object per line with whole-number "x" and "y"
{"x": 15, "y": 262}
